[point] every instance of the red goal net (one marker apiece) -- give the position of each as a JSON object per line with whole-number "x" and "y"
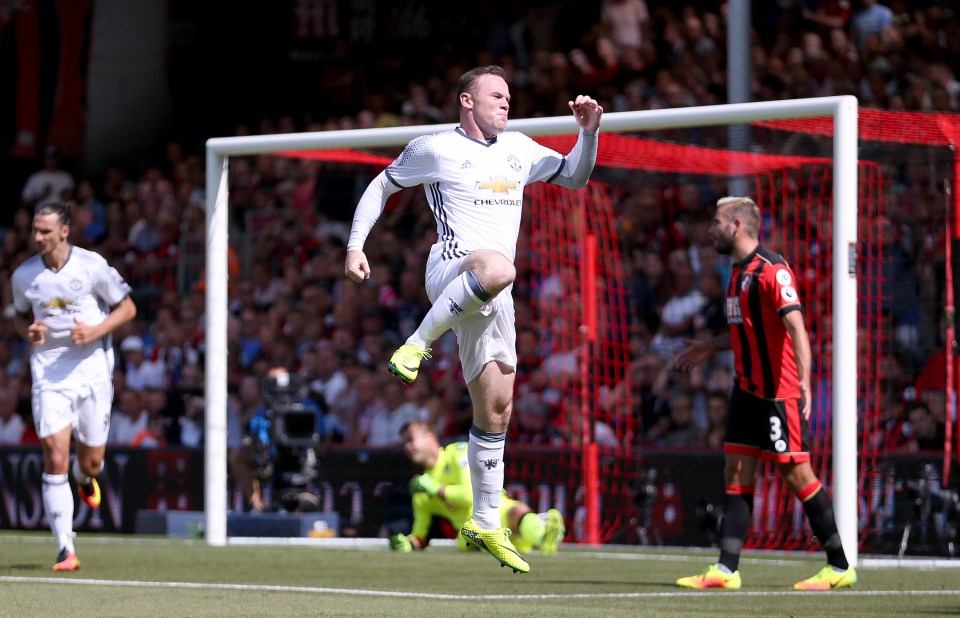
{"x": 596, "y": 269}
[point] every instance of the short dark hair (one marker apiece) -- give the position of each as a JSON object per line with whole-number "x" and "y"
{"x": 468, "y": 80}
{"x": 60, "y": 209}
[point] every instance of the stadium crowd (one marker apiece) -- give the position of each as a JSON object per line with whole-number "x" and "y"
{"x": 290, "y": 305}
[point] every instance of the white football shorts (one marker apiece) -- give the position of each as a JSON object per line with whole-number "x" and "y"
{"x": 486, "y": 336}
{"x": 85, "y": 407}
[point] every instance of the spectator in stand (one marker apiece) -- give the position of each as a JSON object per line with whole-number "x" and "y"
{"x": 900, "y": 294}
{"x": 129, "y": 420}
{"x": 191, "y": 422}
{"x": 677, "y": 320}
{"x": 398, "y": 411}
{"x": 921, "y": 430}
{"x": 249, "y": 339}
{"x": 668, "y": 383}
{"x": 267, "y": 288}
{"x": 682, "y": 431}
{"x": 626, "y": 21}
{"x": 11, "y": 423}
{"x": 648, "y": 406}
{"x": 368, "y": 404}
{"x": 139, "y": 371}
{"x": 533, "y": 423}
{"x": 712, "y": 317}
{"x": 114, "y": 243}
{"x": 936, "y": 401}
{"x": 164, "y": 413}
{"x": 715, "y": 433}
{"x": 240, "y": 444}
{"x": 322, "y": 375}
{"x": 93, "y": 211}
{"x": 10, "y": 365}
{"x": 49, "y": 184}
{"x": 871, "y": 19}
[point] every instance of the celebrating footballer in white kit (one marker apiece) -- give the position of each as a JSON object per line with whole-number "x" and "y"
{"x": 68, "y": 301}
{"x": 474, "y": 177}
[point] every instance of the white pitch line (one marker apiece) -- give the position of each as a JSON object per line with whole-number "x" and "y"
{"x": 459, "y": 597}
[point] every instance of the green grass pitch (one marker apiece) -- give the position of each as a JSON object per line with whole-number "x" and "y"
{"x": 150, "y": 576}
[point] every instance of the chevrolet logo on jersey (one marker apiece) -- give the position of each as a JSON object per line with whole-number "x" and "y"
{"x": 498, "y": 184}
{"x": 58, "y": 303}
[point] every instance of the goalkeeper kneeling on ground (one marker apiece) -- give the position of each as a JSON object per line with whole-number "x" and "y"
{"x": 444, "y": 490}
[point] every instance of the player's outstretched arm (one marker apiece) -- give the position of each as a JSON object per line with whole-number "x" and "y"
{"x": 368, "y": 211}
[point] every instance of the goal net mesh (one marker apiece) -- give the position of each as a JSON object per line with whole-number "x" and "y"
{"x": 595, "y": 269}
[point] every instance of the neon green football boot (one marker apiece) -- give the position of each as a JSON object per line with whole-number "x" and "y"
{"x": 405, "y": 362}
{"x": 496, "y": 543}
{"x": 828, "y": 579}
{"x": 711, "y": 577}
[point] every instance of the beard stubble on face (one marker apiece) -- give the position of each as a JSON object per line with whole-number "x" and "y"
{"x": 724, "y": 246}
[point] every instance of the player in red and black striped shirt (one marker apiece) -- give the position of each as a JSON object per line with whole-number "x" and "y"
{"x": 770, "y": 403}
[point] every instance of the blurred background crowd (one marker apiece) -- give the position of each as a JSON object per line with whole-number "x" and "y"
{"x": 291, "y": 307}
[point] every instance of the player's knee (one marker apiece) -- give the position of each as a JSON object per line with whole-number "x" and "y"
{"x": 91, "y": 466}
{"x": 796, "y": 476}
{"x": 493, "y": 271}
{"x": 503, "y": 274}
{"x": 56, "y": 463}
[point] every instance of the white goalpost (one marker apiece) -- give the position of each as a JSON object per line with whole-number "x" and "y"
{"x": 842, "y": 109}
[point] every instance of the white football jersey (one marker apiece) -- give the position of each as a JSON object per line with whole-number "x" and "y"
{"x": 474, "y": 187}
{"x": 84, "y": 289}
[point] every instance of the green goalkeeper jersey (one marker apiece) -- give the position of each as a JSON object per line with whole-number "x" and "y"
{"x": 456, "y": 504}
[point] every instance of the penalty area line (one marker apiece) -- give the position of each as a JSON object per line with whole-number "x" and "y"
{"x": 456, "y": 597}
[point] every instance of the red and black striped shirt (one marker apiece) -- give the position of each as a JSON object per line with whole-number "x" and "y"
{"x": 761, "y": 291}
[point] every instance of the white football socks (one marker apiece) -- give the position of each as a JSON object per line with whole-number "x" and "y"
{"x": 58, "y": 504}
{"x": 485, "y": 454}
{"x": 460, "y": 299}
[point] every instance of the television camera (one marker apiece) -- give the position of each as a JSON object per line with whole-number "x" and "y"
{"x": 933, "y": 514}
{"x": 287, "y": 439}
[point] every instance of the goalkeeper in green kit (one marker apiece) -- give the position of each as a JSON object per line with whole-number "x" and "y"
{"x": 444, "y": 490}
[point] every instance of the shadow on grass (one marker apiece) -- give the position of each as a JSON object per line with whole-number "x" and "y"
{"x": 26, "y": 567}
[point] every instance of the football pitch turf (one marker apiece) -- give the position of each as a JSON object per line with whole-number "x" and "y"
{"x": 124, "y": 575}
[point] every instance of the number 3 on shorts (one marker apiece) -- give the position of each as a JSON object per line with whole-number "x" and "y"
{"x": 775, "y": 431}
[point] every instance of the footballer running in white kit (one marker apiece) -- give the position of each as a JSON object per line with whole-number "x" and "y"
{"x": 73, "y": 384}
{"x": 68, "y": 301}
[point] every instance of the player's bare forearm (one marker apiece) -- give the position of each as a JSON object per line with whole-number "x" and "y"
{"x": 122, "y": 313}
{"x": 802, "y": 354}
